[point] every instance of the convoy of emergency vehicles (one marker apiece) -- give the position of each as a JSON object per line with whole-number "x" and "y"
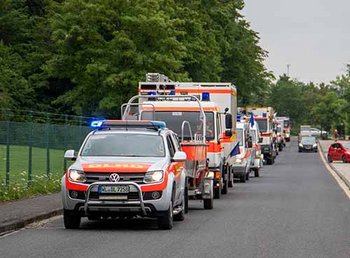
{"x": 176, "y": 141}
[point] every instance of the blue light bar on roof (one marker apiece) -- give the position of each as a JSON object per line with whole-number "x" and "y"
{"x": 159, "y": 124}
{"x": 172, "y": 92}
{"x": 205, "y": 96}
{"x": 239, "y": 117}
{"x": 264, "y": 114}
{"x": 96, "y": 124}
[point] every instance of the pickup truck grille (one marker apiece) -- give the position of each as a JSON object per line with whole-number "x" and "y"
{"x": 92, "y": 177}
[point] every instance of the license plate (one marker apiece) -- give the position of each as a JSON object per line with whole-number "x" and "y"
{"x": 113, "y": 189}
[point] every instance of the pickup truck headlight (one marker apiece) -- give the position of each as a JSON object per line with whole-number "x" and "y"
{"x": 300, "y": 145}
{"x": 314, "y": 146}
{"x": 153, "y": 176}
{"x": 77, "y": 175}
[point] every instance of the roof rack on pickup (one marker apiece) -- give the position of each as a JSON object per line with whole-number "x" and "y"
{"x": 128, "y": 124}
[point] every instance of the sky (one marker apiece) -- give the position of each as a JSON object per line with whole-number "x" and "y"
{"x": 311, "y": 36}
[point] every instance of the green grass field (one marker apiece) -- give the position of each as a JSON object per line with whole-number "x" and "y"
{"x": 41, "y": 184}
{"x": 19, "y": 159}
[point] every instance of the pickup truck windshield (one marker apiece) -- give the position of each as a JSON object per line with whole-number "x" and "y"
{"x": 174, "y": 119}
{"x": 125, "y": 145}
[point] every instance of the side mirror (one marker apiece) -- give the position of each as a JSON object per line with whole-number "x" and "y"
{"x": 260, "y": 140}
{"x": 70, "y": 154}
{"x": 228, "y": 121}
{"x": 179, "y": 156}
{"x": 228, "y": 133}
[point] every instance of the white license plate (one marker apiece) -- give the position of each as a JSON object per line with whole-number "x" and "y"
{"x": 113, "y": 189}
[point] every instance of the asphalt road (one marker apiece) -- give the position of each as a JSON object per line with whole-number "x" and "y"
{"x": 296, "y": 209}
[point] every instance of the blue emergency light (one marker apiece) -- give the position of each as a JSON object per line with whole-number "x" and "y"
{"x": 264, "y": 114}
{"x": 239, "y": 117}
{"x": 96, "y": 124}
{"x": 205, "y": 96}
{"x": 159, "y": 124}
{"x": 172, "y": 92}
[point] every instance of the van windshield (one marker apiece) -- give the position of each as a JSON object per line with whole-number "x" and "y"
{"x": 262, "y": 125}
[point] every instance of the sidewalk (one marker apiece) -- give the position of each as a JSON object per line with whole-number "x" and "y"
{"x": 342, "y": 169}
{"x": 18, "y": 214}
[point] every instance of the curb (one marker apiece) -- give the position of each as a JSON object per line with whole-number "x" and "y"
{"x": 341, "y": 176}
{"x": 12, "y": 226}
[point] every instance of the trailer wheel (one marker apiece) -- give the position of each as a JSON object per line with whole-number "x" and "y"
{"x": 208, "y": 204}
{"x": 71, "y": 220}
{"x": 166, "y": 220}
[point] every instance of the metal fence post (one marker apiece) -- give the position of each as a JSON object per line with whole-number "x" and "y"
{"x": 48, "y": 145}
{"x": 30, "y": 150}
{"x": 7, "y": 149}
{"x": 65, "y": 141}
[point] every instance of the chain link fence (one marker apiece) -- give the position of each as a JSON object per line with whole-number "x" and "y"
{"x": 33, "y": 143}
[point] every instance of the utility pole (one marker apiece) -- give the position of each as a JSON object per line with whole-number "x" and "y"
{"x": 288, "y": 66}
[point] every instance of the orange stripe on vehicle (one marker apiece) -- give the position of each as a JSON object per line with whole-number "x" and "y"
{"x": 115, "y": 167}
{"x": 214, "y": 147}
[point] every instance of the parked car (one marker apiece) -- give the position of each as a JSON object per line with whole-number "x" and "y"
{"x": 308, "y": 143}
{"x": 318, "y": 133}
{"x": 339, "y": 152}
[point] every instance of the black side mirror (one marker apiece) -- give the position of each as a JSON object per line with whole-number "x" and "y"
{"x": 228, "y": 133}
{"x": 228, "y": 121}
{"x": 260, "y": 140}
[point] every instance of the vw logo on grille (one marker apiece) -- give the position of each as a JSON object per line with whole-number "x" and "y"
{"x": 114, "y": 177}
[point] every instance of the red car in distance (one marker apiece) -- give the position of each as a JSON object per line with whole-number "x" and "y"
{"x": 339, "y": 151}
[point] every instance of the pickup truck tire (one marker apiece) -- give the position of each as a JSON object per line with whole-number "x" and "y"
{"x": 217, "y": 192}
{"x": 166, "y": 220}
{"x": 181, "y": 216}
{"x": 208, "y": 204}
{"x": 71, "y": 220}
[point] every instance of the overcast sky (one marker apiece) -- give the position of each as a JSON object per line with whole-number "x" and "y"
{"x": 313, "y": 36}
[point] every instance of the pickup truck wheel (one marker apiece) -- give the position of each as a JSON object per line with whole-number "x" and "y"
{"x": 166, "y": 220}
{"x": 181, "y": 215}
{"x": 71, "y": 220}
{"x": 208, "y": 204}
